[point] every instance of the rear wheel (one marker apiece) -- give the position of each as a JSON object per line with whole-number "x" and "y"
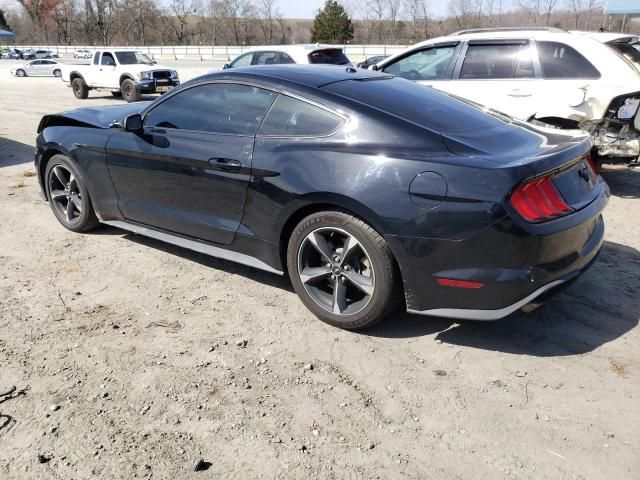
{"x": 68, "y": 196}
{"x": 80, "y": 88}
{"x": 21, "y": 73}
{"x": 130, "y": 92}
{"x": 343, "y": 270}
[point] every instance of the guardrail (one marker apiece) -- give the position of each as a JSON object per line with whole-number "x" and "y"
{"x": 209, "y": 51}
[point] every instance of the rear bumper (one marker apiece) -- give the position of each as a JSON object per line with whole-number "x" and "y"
{"x": 516, "y": 268}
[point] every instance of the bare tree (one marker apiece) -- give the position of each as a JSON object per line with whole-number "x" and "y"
{"x": 582, "y": 8}
{"x": 394, "y": 7}
{"x": 266, "y": 12}
{"x": 418, "y": 11}
{"x": 466, "y": 13}
{"x": 181, "y": 10}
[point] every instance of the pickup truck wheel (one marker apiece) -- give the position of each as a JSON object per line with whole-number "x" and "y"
{"x": 80, "y": 89}
{"x": 57, "y": 73}
{"x": 130, "y": 91}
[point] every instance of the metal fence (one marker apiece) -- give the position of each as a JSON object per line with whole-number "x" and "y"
{"x": 209, "y": 51}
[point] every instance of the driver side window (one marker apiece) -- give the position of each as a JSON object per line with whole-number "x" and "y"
{"x": 242, "y": 61}
{"x": 427, "y": 64}
{"x": 224, "y": 108}
{"x": 107, "y": 59}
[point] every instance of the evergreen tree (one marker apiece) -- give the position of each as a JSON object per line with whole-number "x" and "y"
{"x": 332, "y": 24}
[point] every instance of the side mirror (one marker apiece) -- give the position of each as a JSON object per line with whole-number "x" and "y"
{"x": 226, "y": 66}
{"x": 133, "y": 123}
{"x": 373, "y": 67}
{"x": 154, "y": 62}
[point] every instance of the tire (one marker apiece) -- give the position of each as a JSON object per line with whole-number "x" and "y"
{"x": 68, "y": 196}
{"x": 368, "y": 263}
{"x": 21, "y": 73}
{"x": 130, "y": 92}
{"x": 117, "y": 94}
{"x": 57, "y": 73}
{"x": 80, "y": 88}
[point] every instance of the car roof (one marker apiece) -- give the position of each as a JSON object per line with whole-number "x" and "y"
{"x": 605, "y": 37}
{"x": 314, "y": 76}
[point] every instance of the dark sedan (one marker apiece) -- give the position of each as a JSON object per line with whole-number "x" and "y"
{"x": 370, "y": 191}
{"x": 371, "y": 61}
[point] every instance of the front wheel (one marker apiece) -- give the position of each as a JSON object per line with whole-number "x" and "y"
{"x": 21, "y": 73}
{"x": 130, "y": 92}
{"x": 68, "y": 196}
{"x": 343, "y": 270}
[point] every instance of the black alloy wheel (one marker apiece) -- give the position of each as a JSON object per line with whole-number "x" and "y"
{"x": 68, "y": 197}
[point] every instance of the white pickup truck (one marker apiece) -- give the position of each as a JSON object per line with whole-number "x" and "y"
{"x": 127, "y": 73}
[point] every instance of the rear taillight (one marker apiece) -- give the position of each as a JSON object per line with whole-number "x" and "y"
{"x": 538, "y": 200}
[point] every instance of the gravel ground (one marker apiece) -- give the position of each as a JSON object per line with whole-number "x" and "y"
{"x": 133, "y": 359}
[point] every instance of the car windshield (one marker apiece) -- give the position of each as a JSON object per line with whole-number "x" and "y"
{"x": 132, "y": 58}
{"x": 628, "y": 52}
{"x": 331, "y": 56}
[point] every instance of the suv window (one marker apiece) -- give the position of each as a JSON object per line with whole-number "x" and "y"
{"x": 428, "y": 64}
{"x": 561, "y": 61}
{"x": 290, "y": 117}
{"x": 242, "y": 61}
{"x": 497, "y": 61}
{"x": 330, "y": 56}
{"x": 225, "y": 108}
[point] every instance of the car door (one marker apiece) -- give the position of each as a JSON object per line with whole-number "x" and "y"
{"x": 107, "y": 77}
{"x": 189, "y": 170}
{"x": 46, "y": 67}
{"x": 499, "y": 74}
{"x": 34, "y": 68}
{"x": 431, "y": 65}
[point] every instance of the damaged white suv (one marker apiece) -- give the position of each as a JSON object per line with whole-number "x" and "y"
{"x": 542, "y": 74}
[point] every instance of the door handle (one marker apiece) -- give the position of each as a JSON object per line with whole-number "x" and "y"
{"x": 225, "y": 164}
{"x": 519, "y": 93}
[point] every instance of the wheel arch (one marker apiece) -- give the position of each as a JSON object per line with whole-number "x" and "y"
{"x": 125, "y": 76}
{"x": 48, "y": 154}
{"x": 75, "y": 74}
{"x": 333, "y": 203}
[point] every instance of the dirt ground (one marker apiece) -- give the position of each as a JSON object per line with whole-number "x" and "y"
{"x": 131, "y": 358}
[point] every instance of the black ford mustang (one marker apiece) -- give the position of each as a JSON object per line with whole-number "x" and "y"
{"x": 369, "y": 190}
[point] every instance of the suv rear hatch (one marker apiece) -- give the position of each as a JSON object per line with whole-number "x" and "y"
{"x": 328, "y": 56}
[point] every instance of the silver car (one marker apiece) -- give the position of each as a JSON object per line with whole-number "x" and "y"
{"x": 42, "y": 68}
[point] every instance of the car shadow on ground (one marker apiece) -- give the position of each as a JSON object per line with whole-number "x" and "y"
{"x": 14, "y": 153}
{"x": 622, "y": 182}
{"x": 601, "y": 306}
{"x": 574, "y": 322}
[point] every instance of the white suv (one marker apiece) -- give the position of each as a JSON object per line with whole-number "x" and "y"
{"x": 286, "y": 54}
{"x": 539, "y": 74}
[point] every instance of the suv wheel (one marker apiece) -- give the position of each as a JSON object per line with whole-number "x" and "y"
{"x": 80, "y": 89}
{"x": 343, "y": 270}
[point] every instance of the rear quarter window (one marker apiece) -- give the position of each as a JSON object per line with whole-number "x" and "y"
{"x": 289, "y": 117}
{"x": 559, "y": 60}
